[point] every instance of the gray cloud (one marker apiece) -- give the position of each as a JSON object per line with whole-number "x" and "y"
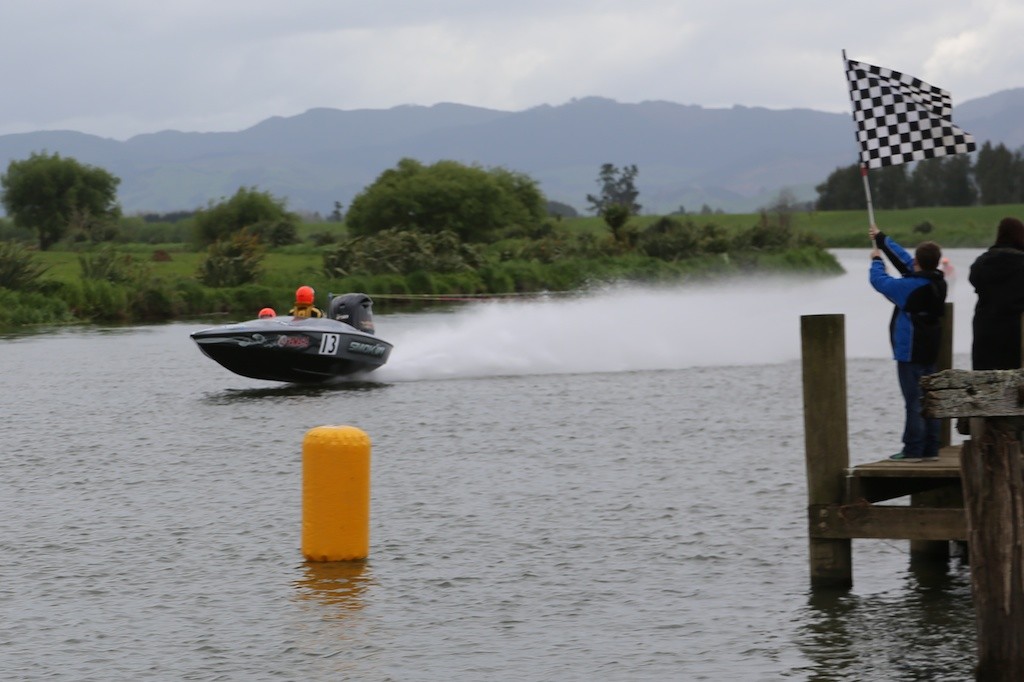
{"x": 123, "y": 67}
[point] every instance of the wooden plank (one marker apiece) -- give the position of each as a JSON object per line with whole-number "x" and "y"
{"x": 967, "y": 393}
{"x": 886, "y": 522}
{"x": 946, "y": 466}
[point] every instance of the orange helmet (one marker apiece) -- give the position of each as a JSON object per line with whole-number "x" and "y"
{"x": 267, "y": 312}
{"x": 304, "y": 295}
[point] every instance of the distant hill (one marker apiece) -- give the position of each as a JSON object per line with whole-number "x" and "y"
{"x": 736, "y": 159}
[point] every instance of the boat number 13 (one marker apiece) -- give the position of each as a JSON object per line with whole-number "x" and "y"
{"x": 329, "y": 344}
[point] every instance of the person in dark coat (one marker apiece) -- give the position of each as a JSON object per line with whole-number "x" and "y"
{"x": 915, "y": 331}
{"x": 998, "y": 278}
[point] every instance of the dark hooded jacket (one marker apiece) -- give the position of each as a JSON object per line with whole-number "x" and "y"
{"x": 998, "y": 279}
{"x": 919, "y": 298}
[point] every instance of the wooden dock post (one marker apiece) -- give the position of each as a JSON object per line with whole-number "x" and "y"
{"x": 992, "y": 474}
{"x": 938, "y": 550}
{"x": 826, "y": 449}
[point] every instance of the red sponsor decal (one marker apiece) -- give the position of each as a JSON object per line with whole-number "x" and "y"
{"x": 295, "y": 342}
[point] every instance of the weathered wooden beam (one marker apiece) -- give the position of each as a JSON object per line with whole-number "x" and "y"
{"x": 993, "y": 480}
{"x": 886, "y": 522}
{"x": 967, "y": 393}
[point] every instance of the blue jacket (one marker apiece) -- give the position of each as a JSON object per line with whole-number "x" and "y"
{"x": 915, "y": 330}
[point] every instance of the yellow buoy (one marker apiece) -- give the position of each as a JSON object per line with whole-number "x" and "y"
{"x": 335, "y": 494}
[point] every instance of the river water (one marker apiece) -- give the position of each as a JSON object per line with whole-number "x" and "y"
{"x": 608, "y": 487}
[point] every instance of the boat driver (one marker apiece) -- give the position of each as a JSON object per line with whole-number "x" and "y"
{"x": 304, "y": 307}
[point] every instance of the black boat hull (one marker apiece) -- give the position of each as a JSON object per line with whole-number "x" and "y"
{"x": 293, "y": 350}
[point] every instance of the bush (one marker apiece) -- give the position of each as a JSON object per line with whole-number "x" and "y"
{"x": 21, "y": 307}
{"x": 247, "y": 209}
{"x": 670, "y": 239}
{"x": 18, "y": 268}
{"x": 714, "y": 239}
{"x": 421, "y": 282}
{"x": 233, "y": 261}
{"x": 112, "y": 266}
{"x": 156, "y": 303}
{"x": 275, "y": 232}
{"x": 400, "y": 252}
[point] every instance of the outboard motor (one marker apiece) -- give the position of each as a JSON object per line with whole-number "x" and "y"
{"x": 355, "y": 310}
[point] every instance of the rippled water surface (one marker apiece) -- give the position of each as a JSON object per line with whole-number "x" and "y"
{"x": 610, "y": 487}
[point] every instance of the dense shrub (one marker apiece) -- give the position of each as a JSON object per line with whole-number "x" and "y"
{"x": 233, "y": 261}
{"x": 401, "y": 251}
{"x": 18, "y": 268}
{"x": 250, "y": 209}
{"x": 715, "y": 239}
{"x": 670, "y": 239}
{"x": 275, "y": 232}
{"x": 112, "y": 266}
{"x": 22, "y": 307}
{"x": 474, "y": 203}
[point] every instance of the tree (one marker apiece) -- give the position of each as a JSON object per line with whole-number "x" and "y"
{"x": 336, "y": 215}
{"x": 617, "y": 200}
{"x": 997, "y": 172}
{"x": 54, "y": 195}
{"x": 474, "y": 203}
{"x": 890, "y": 187}
{"x": 842, "y": 190}
{"x": 957, "y": 184}
{"x": 618, "y": 187}
{"x": 927, "y": 183}
{"x": 560, "y": 210}
{"x": 259, "y": 213}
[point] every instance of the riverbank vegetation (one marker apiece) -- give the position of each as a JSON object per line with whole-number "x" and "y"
{"x": 419, "y": 233}
{"x": 160, "y": 270}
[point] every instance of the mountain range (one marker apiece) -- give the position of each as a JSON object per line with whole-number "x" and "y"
{"x": 734, "y": 159}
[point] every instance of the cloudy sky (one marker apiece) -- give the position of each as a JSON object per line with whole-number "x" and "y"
{"x": 117, "y": 68}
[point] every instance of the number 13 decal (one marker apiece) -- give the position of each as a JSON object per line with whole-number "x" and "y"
{"x": 329, "y": 344}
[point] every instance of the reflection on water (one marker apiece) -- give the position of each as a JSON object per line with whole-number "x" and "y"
{"x": 337, "y": 584}
{"x": 920, "y": 629}
{"x": 236, "y": 395}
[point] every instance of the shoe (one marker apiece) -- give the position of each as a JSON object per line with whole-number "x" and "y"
{"x": 930, "y": 458}
{"x": 904, "y": 457}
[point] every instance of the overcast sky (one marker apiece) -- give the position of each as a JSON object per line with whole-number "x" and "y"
{"x": 117, "y": 68}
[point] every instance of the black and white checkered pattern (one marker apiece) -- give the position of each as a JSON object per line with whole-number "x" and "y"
{"x": 901, "y": 118}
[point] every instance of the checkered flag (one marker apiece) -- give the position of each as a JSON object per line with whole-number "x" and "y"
{"x": 901, "y": 118}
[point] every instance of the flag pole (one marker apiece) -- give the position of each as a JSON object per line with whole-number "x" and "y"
{"x": 867, "y": 193}
{"x": 863, "y": 166}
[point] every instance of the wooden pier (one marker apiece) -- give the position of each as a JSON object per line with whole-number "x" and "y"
{"x": 935, "y": 514}
{"x": 846, "y": 503}
{"x": 972, "y": 493}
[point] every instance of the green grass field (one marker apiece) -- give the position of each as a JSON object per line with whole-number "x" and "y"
{"x": 952, "y": 226}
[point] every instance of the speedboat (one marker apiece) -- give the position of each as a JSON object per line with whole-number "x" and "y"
{"x": 300, "y": 349}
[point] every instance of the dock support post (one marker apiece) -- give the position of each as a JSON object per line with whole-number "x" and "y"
{"x": 945, "y": 361}
{"x": 992, "y": 468}
{"x": 938, "y": 550}
{"x": 826, "y": 448}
